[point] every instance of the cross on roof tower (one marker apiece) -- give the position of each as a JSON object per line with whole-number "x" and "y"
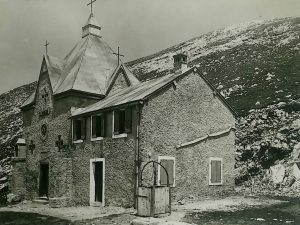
{"x": 46, "y": 45}
{"x": 118, "y": 54}
{"x": 91, "y": 4}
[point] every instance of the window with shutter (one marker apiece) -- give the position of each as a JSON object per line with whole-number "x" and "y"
{"x": 169, "y": 164}
{"x": 215, "y": 171}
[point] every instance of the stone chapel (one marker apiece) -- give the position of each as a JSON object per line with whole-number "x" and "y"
{"x": 91, "y": 125}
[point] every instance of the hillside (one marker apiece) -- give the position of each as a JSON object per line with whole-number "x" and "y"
{"x": 256, "y": 67}
{"x": 253, "y": 65}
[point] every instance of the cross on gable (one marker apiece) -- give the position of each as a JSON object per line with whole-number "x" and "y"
{"x": 46, "y": 45}
{"x": 91, "y": 4}
{"x": 59, "y": 143}
{"x": 118, "y": 54}
{"x": 31, "y": 146}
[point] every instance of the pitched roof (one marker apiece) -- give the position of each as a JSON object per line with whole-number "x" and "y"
{"x": 30, "y": 100}
{"x": 90, "y": 66}
{"x": 142, "y": 91}
{"x": 131, "y": 94}
{"x": 54, "y": 66}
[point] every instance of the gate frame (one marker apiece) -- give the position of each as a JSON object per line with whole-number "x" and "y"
{"x": 152, "y": 201}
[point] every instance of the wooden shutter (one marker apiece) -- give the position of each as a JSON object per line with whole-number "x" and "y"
{"x": 218, "y": 168}
{"x": 169, "y": 165}
{"x": 116, "y": 122}
{"x": 216, "y": 173}
{"x": 82, "y": 130}
{"x": 128, "y": 120}
{"x": 94, "y": 124}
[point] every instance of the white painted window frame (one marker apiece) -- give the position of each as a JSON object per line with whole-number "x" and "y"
{"x": 77, "y": 141}
{"x": 209, "y": 175}
{"x": 123, "y": 135}
{"x": 96, "y": 138}
{"x": 159, "y": 158}
{"x": 92, "y": 182}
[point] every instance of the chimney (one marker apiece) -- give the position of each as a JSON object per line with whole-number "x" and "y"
{"x": 180, "y": 62}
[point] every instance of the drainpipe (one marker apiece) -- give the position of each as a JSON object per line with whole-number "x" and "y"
{"x": 137, "y": 152}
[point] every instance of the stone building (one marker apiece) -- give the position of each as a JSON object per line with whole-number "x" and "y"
{"x": 91, "y": 125}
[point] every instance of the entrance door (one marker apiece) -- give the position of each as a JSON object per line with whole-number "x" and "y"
{"x": 44, "y": 180}
{"x": 97, "y": 180}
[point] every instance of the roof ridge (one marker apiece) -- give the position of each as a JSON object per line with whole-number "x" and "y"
{"x": 112, "y": 78}
{"x": 57, "y": 86}
{"x": 81, "y": 59}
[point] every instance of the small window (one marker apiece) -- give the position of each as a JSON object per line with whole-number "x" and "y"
{"x": 169, "y": 164}
{"x": 215, "y": 171}
{"x": 122, "y": 121}
{"x": 79, "y": 129}
{"x": 98, "y": 126}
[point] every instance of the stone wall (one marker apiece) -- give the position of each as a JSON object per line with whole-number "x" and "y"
{"x": 187, "y": 110}
{"x": 119, "y": 158}
{"x": 61, "y": 181}
{"x": 69, "y": 175}
{"x": 45, "y": 150}
{"x": 17, "y": 180}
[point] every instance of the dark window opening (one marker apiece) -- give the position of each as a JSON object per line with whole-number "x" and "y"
{"x": 79, "y": 129}
{"x": 122, "y": 121}
{"x": 98, "y": 126}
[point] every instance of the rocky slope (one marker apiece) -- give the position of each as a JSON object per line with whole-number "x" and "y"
{"x": 256, "y": 66}
{"x": 268, "y": 137}
{"x": 11, "y": 118}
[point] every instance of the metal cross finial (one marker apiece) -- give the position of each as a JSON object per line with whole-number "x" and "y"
{"x": 118, "y": 54}
{"x": 91, "y": 4}
{"x": 46, "y": 45}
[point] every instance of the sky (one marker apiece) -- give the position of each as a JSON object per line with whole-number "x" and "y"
{"x": 139, "y": 27}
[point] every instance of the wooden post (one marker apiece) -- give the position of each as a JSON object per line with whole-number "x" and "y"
{"x": 152, "y": 203}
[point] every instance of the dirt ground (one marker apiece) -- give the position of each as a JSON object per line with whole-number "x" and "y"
{"x": 30, "y": 213}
